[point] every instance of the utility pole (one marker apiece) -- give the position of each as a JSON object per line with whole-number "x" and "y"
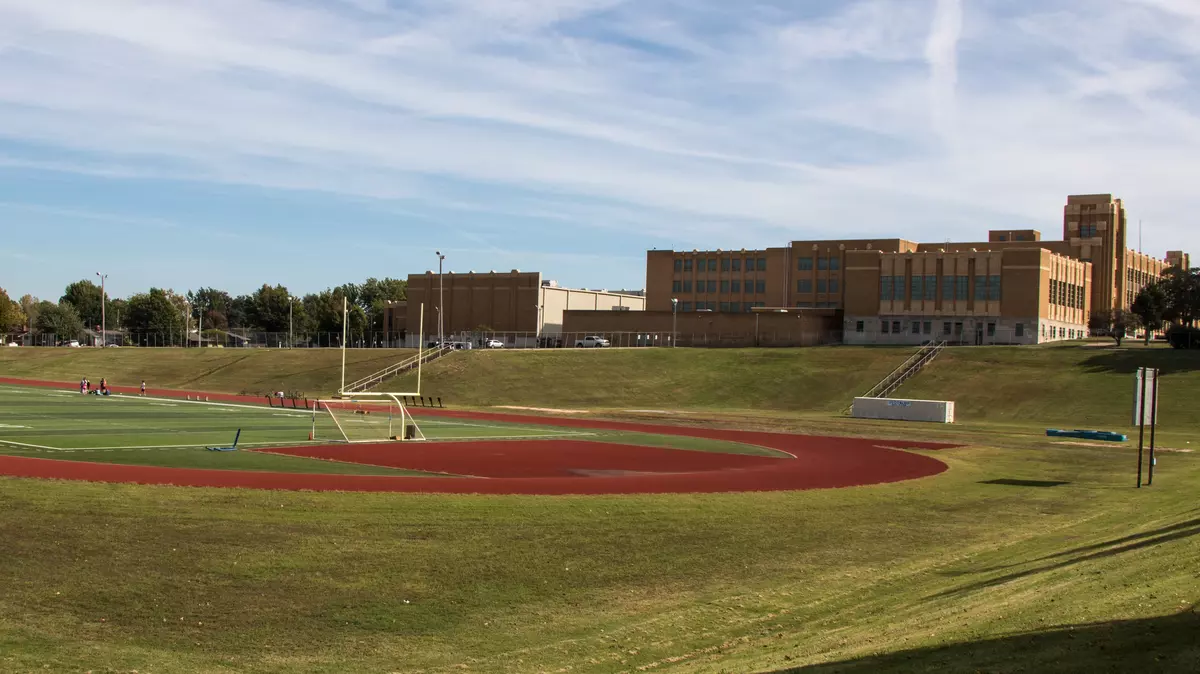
{"x": 103, "y": 323}
{"x": 674, "y": 319}
{"x": 291, "y": 301}
{"x": 441, "y": 298}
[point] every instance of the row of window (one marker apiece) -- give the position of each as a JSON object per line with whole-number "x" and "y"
{"x": 823, "y": 285}
{"x": 987, "y": 288}
{"x": 710, "y": 287}
{"x": 1066, "y": 294}
{"x": 822, "y": 264}
{"x": 926, "y": 328}
{"x": 1088, "y": 231}
{"x": 816, "y": 305}
{"x": 727, "y": 264}
{"x": 723, "y": 307}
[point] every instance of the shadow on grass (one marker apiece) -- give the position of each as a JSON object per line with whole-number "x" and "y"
{"x": 1009, "y": 482}
{"x": 1163, "y": 644}
{"x": 1127, "y": 361}
{"x": 1148, "y": 539}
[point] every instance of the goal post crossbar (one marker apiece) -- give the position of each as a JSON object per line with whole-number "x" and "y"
{"x": 385, "y": 418}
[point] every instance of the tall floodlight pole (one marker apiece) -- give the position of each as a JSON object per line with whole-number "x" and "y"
{"x": 441, "y": 298}
{"x": 291, "y": 301}
{"x": 674, "y": 319}
{"x": 103, "y": 323}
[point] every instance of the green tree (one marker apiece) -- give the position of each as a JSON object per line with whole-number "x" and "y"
{"x": 1115, "y": 323}
{"x": 60, "y": 320}
{"x": 29, "y": 305}
{"x": 271, "y": 308}
{"x": 212, "y": 306}
{"x": 1150, "y": 306}
{"x": 12, "y": 318}
{"x": 375, "y": 294}
{"x": 1182, "y": 288}
{"x": 85, "y": 297}
{"x": 155, "y": 312}
{"x": 241, "y": 312}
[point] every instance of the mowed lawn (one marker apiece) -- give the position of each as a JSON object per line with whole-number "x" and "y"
{"x": 1034, "y": 557}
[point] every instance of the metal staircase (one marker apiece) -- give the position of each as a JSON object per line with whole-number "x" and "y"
{"x": 372, "y": 380}
{"x": 907, "y": 370}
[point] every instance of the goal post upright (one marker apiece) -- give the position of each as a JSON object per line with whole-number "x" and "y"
{"x": 345, "y": 315}
{"x": 421, "y": 344}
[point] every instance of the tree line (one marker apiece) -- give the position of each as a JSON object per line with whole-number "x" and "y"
{"x": 268, "y": 309}
{"x": 1172, "y": 300}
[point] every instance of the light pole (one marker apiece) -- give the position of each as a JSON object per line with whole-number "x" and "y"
{"x": 674, "y": 319}
{"x": 291, "y": 302}
{"x": 103, "y": 323}
{"x": 441, "y": 298}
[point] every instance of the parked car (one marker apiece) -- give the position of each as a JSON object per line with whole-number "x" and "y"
{"x": 493, "y": 344}
{"x": 592, "y": 341}
{"x": 73, "y": 343}
{"x": 12, "y": 344}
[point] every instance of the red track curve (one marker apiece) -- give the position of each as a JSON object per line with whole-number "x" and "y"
{"x": 538, "y": 466}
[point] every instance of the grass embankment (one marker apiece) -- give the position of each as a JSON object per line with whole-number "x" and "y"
{"x": 312, "y": 372}
{"x": 1030, "y": 558}
{"x": 1074, "y": 386}
{"x": 821, "y": 379}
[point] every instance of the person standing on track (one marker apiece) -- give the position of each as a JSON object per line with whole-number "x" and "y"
{"x": 103, "y": 386}
{"x": 83, "y": 386}
{"x": 143, "y": 387}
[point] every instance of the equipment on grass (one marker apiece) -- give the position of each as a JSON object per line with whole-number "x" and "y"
{"x": 1107, "y": 436}
{"x": 373, "y": 418}
{"x": 231, "y": 448}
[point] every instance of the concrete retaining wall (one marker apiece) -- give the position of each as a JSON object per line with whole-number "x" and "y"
{"x": 938, "y": 411}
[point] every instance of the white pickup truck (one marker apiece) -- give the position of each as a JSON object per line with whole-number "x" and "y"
{"x": 592, "y": 342}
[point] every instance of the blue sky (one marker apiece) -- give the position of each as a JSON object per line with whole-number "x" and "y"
{"x": 313, "y": 142}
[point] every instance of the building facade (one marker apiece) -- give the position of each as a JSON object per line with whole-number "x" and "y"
{"x": 1013, "y": 287}
{"x": 518, "y": 304}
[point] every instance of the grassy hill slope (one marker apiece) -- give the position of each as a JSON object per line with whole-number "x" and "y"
{"x": 307, "y": 371}
{"x": 1074, "y": 385}
{"x": 821, "y": 379}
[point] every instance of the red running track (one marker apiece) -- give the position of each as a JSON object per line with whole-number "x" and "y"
{"x": 541, "y": 466}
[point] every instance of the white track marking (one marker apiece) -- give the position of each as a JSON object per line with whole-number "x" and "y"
{"x": 26, "y": 444}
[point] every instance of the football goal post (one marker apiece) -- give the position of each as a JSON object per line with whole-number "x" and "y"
{"x": 371, "y": 418}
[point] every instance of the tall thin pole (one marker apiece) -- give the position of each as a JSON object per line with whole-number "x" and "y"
{"x": 344, "y": 323}
{"x": 1141, "y": 412}
{"x": 441, "y": 300}
{"x": 1153, "y": 425}
{"x": 291, "y": 301}
{"x": 421, "y": 344}
{"x": 103, "y": 322}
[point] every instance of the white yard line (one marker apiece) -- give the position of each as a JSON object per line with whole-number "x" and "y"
{"x": 25, "y": 444}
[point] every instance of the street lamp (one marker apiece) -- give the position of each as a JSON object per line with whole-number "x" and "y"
{"x": 291, "y": 302}
{"x": 441, "y": 297}
{"x": 103, "y": 323}
{"x": 674, "y": 319}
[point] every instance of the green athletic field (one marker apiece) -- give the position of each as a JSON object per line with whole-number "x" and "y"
{"x": 175, "y": 432}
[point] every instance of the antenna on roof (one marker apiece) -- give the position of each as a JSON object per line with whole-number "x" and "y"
{"x": 1139, "y": 235}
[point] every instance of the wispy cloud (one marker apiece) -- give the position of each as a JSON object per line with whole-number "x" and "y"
{"x": 653, "y": 122}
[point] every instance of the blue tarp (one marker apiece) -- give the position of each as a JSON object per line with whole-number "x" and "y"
{"x": 1107, "y": 436}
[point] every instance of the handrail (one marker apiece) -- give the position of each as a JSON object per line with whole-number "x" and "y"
{"x": 912, "y": 365}
{"x": 392, "y": 370}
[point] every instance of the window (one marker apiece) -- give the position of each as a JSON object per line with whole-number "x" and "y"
{"x": 736, "y": 263}
{"x": 946, "y": 328}
{"x": 725, "y": 307}
{"x": 712, "y": 264}
{"x": 760, "y": 287}
{"x": 991, "y": 330}
{"x": 885, "y": 288}
{"x": 928, "y": 327}
{"x": 762, "y": 264}
{"x": 958, "y": 326}
{"x": 1053, "y": 291}
{"x": 898, "y": 288}
{"x": 994, "y": 288}
{"x": 947, "y": 288}
{"x": 804, "y": 305}
{"x": 961, "y": 288}
{"x": 712, "y": 286}
{"x": 1019, "y": 331}
{"x": 685, "y": 306}
{"x": 687, "y": 265}
{"x": 687, "y": 286}
{"x": 930, "y": 288}
{"x": 833, "y": 285}
{"x": 735, "y": 286}
{"x": 822, "y": 264}
{"x": 822, "y": 285}
{"x": 678, "y": 264}
{"x": 724, "y": 264}
{"x": 916, "y": 327}
{"x": 676, "y": 286}
{"x": 896, "y": 327}
{"x": 724, "y": 287}
{"x": 1019, "y": 237}
{"x": 804, "y": 285}
{"x": 980, "y": 288}
{"x": 883, "y": 327}
{"x": 858, "y": 326}
{"x": 918, "y": 288}
{"x": 1088, "y": 231}
{"x": 834, "y": 264}
{"x": 804, "y": 264}
{"x": 1002, "y": 237}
